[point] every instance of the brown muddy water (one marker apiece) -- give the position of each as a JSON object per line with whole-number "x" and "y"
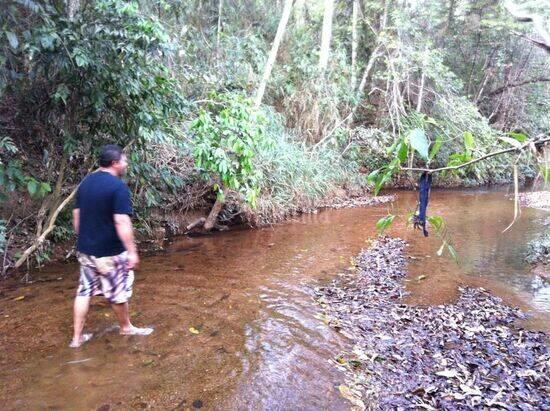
{"x": 249, "y": 294}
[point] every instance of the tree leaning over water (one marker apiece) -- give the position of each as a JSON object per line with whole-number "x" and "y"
{"x": 351, "y": 87}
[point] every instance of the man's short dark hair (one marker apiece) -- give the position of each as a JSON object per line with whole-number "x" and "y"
{"x": 108, "y": 154}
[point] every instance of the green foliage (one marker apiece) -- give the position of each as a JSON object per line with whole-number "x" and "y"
{"x": 12, "y": 175}
{"x": 468, "y": 141}
{"x": 436, "y": 147}
{"x": 295, "y": 176}
{"x": 384, "y": 223}
{"x": 418, "y": 141}
{"x": 100, "y": 79}
{"x": 383, "y": 175}
{"x": 228, "y": 134}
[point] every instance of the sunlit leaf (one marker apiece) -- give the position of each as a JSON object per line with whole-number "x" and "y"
{"x": 518, "y": 136}
{"x": 402, "y": 152}
{"x": 418, "y": 141}
{"x": 436, "y": 221}
{"x": 468, "y": 141}
{"x": 384, "y": 223}
{"x": 371, "y": 178}
{"x": 511, "y": 141}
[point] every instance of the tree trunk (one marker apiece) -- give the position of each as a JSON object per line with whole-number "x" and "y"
{"x": 326, "y": 35}
{"x": 372, "y": 59}
{"x": 72, "y": 8}
{"x": 354, "y": 43}
{"x": 299, "y": 13}
{"x": 539, "y": 23}
{"x": 46, "y": 232}
{"x": 522, "y": 83}
{"x": 421, "y": 91}
{"x": 450, "y": 16}
{"x": 213, "y": 216}
{"x": 219, "y": 32}
{"x": 273, "y": 53}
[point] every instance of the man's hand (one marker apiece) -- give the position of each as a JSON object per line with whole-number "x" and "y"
{"x": 133, "y": 260}
{"x": 76, "y": 220}
{"x": 123, "y": 225}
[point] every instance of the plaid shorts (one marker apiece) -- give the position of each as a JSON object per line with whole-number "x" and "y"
{"x": 107, "y": 276}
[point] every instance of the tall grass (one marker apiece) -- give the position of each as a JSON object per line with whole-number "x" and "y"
{"x": 298, "y": 177}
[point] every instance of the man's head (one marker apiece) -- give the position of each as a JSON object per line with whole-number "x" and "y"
{"x": 112, "y": 157}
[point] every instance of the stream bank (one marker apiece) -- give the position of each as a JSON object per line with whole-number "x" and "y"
{"x": 463, "y": 355}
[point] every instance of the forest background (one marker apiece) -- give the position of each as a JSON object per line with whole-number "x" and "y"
{"x": 248, "y": 111}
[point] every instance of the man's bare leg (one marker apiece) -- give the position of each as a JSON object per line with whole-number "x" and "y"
{"x": 123, "y": 317}
{"x": 81, "y": 306}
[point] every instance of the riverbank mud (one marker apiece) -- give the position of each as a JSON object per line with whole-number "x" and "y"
{"x": 465, "y": 355}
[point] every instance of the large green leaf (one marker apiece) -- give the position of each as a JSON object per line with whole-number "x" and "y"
{"x": 418, "y": 141}
{"x": 468, "y": 140}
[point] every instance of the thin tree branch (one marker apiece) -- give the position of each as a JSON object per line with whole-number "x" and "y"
{"x": 476, "y": 160}
{"x": 522, "y": 83}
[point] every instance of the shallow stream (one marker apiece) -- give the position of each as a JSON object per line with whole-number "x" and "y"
{"x": 249, "y": 295}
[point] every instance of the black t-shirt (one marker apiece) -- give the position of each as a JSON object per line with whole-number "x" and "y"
{"x": 99, "y": 197}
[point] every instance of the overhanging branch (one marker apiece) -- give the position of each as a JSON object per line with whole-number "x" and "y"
{"x": 522, "y": 83}
{"x": 476, "y": 160}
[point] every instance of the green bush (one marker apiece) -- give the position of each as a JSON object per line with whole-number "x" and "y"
{"x": 228, "y": 133}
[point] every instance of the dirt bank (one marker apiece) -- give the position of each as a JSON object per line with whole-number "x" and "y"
{"x": 465, "y": 355}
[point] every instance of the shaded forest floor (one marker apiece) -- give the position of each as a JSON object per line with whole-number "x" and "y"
{"x": 465, "y": 355}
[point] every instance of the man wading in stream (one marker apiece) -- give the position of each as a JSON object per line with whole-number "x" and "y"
{"x": 106, "y": 250}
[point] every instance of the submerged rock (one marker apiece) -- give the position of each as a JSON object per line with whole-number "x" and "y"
{"x": 466, "y": 355}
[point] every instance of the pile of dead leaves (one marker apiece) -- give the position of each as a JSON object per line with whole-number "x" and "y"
{"x": 364, "y": 201}
{"x": 466, "y": 355}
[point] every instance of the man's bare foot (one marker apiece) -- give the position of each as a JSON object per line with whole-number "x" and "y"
{"x": 136, "y": 331}
{"x": 77, "y": 343}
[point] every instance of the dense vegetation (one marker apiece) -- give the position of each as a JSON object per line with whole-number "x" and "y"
{"x": 352, "y": 88}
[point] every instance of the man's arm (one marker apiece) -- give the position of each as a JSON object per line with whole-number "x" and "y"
{"x": 123, "y": 225}
{"x": 76, "y": 220}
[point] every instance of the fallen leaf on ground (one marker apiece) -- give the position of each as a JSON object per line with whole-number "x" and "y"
{"x": 448, "y": 373}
